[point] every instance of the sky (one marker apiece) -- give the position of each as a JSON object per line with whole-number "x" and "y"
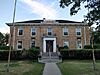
{"x": 35, "y": 9}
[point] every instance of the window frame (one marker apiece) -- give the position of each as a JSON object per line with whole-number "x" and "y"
{"x": 49, "y": 31}
{"x": 66, "y": 42}
{"x": 18, "y": 44}
{"x": 65, "y": 29}
{"x": 20, "y": 28}
{"x": 34, "y": 31}
{"x": 31, "y": 43}
{"x": 78, "y": 44}
{"x": 78, "y": 30}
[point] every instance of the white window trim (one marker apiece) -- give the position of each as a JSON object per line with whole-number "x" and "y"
{"x": 79, "y": 30}
{"x": 66, "y": 41}
{"x": 31, "y": 43}
{"x": 20, "y": 28}
{"x": 17, "y": 45}
{"x": 77, "y": 45}
{"x": 50, "y": 31}
{"x": 35, "y": 31}
{"x": 66, "y": 30}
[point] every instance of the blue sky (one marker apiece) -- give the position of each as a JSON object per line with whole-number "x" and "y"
{"x": 35, "y": 9}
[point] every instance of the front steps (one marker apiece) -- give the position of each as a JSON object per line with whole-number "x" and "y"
{"x": 50, "y": 57}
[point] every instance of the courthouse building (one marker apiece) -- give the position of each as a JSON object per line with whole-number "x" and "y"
{"x": 49, "y": 34}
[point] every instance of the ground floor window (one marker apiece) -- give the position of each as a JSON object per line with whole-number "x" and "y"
{"x": 79, "y": 45}
{"x": 32, "y": 43}
{"x": 66, "y": 44}
{"x": 19, "y": 45}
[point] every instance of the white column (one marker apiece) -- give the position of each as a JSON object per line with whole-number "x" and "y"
{"x": 54, "y": 45}
{"x": 44, "y": 45}
{"x": 84, "y": 36}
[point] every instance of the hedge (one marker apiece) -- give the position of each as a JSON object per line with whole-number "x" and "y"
{"x": 79, "y": 54}
{"x": 19, "y": 54}
{"x": 3, "y": 47}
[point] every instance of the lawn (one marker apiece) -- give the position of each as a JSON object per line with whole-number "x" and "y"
{"x": 81, "y": 67}
{"x": 22, "y": 68}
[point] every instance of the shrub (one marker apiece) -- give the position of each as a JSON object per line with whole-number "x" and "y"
{"x": 97, "y": 46}
{"x": 79, "y": 54}
{"x": 87, "y": 47}
{"x": 33, "y": 53}
{"x": 63, "y": 48}
{"x": 20, "y": 54}
{"x": 3, "y": 47}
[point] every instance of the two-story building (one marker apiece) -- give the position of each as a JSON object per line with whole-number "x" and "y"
{"x": 49, "y": 34}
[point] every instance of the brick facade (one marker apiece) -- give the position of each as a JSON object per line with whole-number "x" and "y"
{"x": 57, "y": 32}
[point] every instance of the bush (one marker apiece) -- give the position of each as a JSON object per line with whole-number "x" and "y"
{"x": 97, "y": 46}
{"x": 33, "y": 53}
{"x": 79, "y": 54}
{"x": 90, "y": 47}
{"x": 63, "y": 48}
{"x": 20, "y": 54}
{"x": 3, "y": 47}
{"x": 87, "y": 47}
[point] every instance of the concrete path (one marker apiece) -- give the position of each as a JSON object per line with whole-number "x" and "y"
{"x": 51, "y": 69}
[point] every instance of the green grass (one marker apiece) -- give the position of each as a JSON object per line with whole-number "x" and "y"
{"x": 22, "y": 68}
{"x": 73, "y": 67}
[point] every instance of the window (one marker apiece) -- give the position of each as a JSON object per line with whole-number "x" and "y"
{"x": 66, "y": 44}
{"x": 19, "y": 44}
{"x": 49, "y": 31}
{"x": 79, "y": 43}
{"x": 32, "y": 43}
{"x": 20, "y": 31}
{"x": 78, "y": 31}
{"x": 33, "y": 31}
{"x": 65, "y": 31}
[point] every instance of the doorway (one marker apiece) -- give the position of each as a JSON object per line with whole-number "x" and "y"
{"x": 49, "y": 45}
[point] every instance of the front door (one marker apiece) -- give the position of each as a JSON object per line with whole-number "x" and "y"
{"x": 49, "y": 45}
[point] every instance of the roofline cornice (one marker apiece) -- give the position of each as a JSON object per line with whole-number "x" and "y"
{"x": 44, "y": 24}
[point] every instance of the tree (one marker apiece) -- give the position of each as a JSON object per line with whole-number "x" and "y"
{"x": 6, "y": 38}
{"x": 93, "y": 16}
{"x": 97, "y": 35}
{"x": 1, "y": 39}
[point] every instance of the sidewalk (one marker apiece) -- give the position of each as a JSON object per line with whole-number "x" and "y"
{"x": 51, "y": 69}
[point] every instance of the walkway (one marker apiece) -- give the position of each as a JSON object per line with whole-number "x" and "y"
{"x": 51, "y": 69}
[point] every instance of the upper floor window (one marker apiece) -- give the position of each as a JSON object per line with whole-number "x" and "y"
{"x": 65, "y": 31}
{"x": 20, "y": 31}
{"x": 33, "y": 31}
{"x": 78, "y": 31}
{"x": 19, "y": 45}
{"x": 49, "y": 31}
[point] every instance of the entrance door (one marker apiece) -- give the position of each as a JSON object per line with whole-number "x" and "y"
{"x": 49, "y": 45}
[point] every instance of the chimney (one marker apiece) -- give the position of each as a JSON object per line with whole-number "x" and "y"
{"x": 44, "y": 19}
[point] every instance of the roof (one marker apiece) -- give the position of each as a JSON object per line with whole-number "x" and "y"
{"x": 44, "y": 21}
{"x": 39, "y": 21}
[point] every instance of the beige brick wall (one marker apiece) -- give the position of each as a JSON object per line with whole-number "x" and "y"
{"x": 26, "y": 38}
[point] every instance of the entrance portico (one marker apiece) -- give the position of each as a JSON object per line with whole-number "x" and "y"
{"x": 49, "y": 44}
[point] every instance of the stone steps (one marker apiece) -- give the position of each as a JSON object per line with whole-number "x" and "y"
{"x": 49, "y": 57}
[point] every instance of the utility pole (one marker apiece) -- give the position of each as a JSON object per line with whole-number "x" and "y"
{"x": 11, "y": 36}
